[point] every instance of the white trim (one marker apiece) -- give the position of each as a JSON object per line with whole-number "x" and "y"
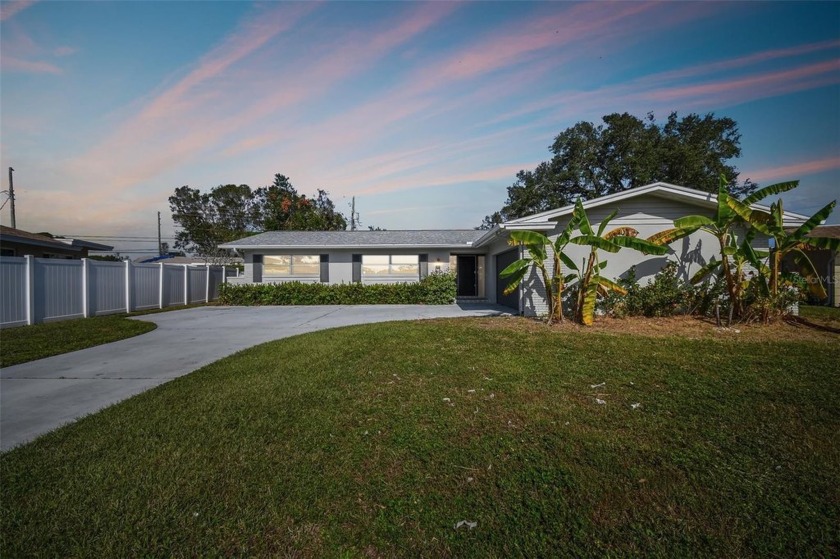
{"x": 674, "y": 191}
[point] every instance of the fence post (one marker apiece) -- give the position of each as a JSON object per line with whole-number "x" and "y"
{"x": 30, "y": 289}
{"x": 129, "y": 286}
{"x": 86, "y": 287}
{"x": 186, "y": 284}
{"x": 207, "y": 286}
{"x": 160, "y": 287}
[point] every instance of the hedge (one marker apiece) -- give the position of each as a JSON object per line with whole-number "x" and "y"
{"x": 438, "y": 288}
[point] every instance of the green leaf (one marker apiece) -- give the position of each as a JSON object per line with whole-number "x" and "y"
{"x": 528, "y": 238}
{"x": 515, "y": 280}
{"x": 580, "y": 212}
{"x": 514, "y": 267}
{"x": 807, "y": 271}
{"x": 771, "y": 190}
{"x": 822, "y": 242}
{"x": 813, "y": 221}
{"x": 597, "y": 242}
{"x": 701, "y": 274}
{"x": 568, "y": 262}
{"x": 758, "y": 219}
{"x": 730, "y": 251}
{"x": 643, "y": 246}
{"x": 605, "y": 222}
{"x": 668, "y": 236}
{"x": 693, "y": 221}
{"x": 563, "y": 238}
{"x": 602, "y": 265}
{"x": 724, "y": 212}
{"x": 569, "y": 277}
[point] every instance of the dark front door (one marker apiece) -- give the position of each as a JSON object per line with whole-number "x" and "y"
{"x": 466, "y": 277}
{"x": 503, "y": 261}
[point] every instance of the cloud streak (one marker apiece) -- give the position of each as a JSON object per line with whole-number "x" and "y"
{"x": 796, "y": 170}
{"x": 8, "y": 10}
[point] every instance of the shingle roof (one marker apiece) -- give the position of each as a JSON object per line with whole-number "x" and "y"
{"x": 826, "y": 231}
{"x": 349, "y": 239}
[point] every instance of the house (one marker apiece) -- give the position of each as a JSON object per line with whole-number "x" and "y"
{"x": 16, "y": 242}
{"x": 477, "y": 257}
{"x": 188, "y": 260}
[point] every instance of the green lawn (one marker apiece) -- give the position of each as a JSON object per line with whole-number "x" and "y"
{"x": 28, "y": 343}
{"x": 374, "y": 441}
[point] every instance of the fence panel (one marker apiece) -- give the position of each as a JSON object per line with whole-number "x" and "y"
{"x": 198, "y": 284}
{"x": 217, "y": 278}
{"x": 173, "y": 285}
{"x": 106, "y": 287}
{"x": 145, "y": 286}
{"x": 58, "y": 289}
{"x": 12, "y": 291}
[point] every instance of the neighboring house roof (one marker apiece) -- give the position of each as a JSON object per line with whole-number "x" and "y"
{"x": 825, "y": 231}
{"x": 25, "y": 237}
{"x": 190, "y": 260}
{"x": 661, "y": 189}
{"x": 450, "y": 238}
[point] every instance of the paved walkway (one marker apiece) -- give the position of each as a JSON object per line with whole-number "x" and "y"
{"x": 38, "y": 396}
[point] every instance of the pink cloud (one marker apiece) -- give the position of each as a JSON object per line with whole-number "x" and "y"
{"x": 793, "y": 171}
{"x": 14, "y": 64}
{"x": 9, "y": 9}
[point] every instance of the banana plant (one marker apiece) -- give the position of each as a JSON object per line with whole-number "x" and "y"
{"x": 795, "y": 243}
{"x": 721, "y": 227}
{"x": 537, "y": 246}
{"x": 590, "y": 281}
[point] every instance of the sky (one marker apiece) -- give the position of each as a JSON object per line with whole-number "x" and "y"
{"x": 423, "y": 112}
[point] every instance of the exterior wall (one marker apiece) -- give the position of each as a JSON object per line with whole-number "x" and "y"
{"x": 648, "y": 215}
{"x": 341, "y": 265}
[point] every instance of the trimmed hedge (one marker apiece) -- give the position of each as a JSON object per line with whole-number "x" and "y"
{"x": 438, "y": 288}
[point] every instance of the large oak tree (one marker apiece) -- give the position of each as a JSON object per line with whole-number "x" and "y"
{"x": 624, "y": 152}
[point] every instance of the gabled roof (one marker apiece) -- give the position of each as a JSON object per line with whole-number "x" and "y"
{"x": 449, "y": 238}
{"x": 660, "y": 189}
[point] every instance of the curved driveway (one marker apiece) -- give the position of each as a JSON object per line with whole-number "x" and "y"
{"x": 38, "y": 396}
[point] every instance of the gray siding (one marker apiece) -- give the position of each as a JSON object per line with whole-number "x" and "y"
{"x": 13, "y": 292}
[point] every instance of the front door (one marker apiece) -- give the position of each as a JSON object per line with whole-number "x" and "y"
{"x": 467, "y": 284}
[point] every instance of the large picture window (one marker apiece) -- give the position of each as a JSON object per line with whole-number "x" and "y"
{"x": 390, "y": 265}
{"x": 297, "y": 265}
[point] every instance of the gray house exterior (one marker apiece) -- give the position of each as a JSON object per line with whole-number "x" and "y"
{"x": 478, "y": 256}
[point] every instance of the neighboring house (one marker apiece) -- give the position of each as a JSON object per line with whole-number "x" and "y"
{"x": 16, "y": 242}
{"x": 477, "y": 257}
{"x": 188, "y": 260}
{"x": 826, "y": 262}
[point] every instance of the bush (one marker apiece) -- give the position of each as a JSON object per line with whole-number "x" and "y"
{"x": 666, "y": 295}
{"x": 438, "y": 288}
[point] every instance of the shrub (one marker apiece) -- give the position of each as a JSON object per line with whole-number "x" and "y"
{"x": 666, "y": 295}
{"x": 438, "y": 288}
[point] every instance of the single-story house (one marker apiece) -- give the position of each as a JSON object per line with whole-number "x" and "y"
{"x": 477, "y": 256}
{"x": 16, "y": 242}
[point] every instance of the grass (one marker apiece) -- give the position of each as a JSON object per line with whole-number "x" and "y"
{"x": 826, "y": 316}
{"x": 28, "y": 343}
{"x": 374, "y": 441}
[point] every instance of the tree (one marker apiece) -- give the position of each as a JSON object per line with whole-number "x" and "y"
{"x": 280, "y": 207}
{"x": 625, "y": 152}
{"x": 209, "y": 219}
{"x": 230, "y": 212}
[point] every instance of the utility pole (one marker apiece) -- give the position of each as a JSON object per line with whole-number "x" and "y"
{"x": 352, "y": 214}
{"x": 12, "y": 196}
{"x": 160, "y": 245}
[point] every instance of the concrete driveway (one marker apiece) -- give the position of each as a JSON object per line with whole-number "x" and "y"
{"x": 38, "y": 396}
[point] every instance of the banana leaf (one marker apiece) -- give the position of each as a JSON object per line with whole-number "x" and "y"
{"x": 583, "y": 221}
{"x": 605, "y": 222}
{"x": 771, "y": 190}
{"x": 515, "y": 280}
{"x": 668, "y": 236}
{"x": 619, "y": 231}
{"x": 587, "y": 312}
{"x": 643, "y": 246}
{"x": 813, "y": 221}
{"x": 597, "y": 242}
{"x": 758, "y": 219}
{"x": 807, "y": 271}
{"x": 610, "y": 285}
{"x": 568, "y": 262}
{"x": 701, "y": 274}
{"x": 821, "y": 242}
{"x": 514, "y": 267}
{"x": 693, "y": 221}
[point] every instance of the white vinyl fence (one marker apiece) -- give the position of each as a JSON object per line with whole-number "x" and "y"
{"x": 35, "y": 290}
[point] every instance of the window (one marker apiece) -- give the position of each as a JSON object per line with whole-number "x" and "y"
{"x": 7, "y": 252}
{"x": 297, "y": 265}
{"x": 390, "y": 265}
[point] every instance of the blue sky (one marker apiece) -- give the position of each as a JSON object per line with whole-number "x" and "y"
{"x": 423, "y": 112}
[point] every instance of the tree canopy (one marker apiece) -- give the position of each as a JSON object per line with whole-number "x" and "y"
{"x": 624, "y": 152}
{"x": 229, "y": 212}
